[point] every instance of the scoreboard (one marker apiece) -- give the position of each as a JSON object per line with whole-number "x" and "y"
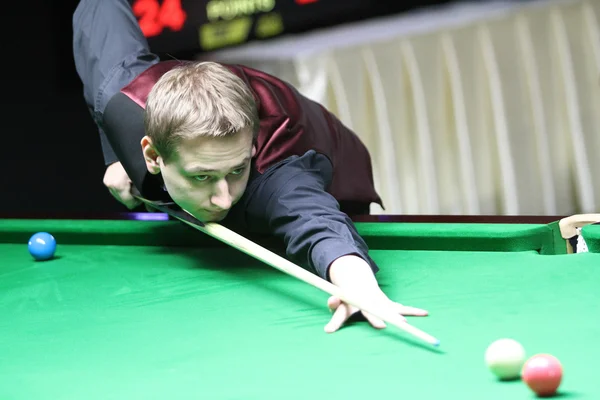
{"x": 174, "y": 26}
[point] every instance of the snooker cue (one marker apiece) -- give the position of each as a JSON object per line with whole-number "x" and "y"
{"x": 247, "y": 246}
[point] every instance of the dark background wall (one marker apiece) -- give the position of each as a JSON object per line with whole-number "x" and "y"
{"x": 52, "y": 160}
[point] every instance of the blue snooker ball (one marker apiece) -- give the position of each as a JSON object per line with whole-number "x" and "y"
{"x": 42, "y": 246}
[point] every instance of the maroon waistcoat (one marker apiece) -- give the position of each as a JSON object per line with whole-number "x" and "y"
{"x": 290, "y": 124}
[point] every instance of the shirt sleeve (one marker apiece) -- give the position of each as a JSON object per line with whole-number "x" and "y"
{"x": 291, "y": 201}
{"x": 109, "y": 51}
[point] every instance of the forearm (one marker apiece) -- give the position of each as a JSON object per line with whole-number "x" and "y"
{"x": 108, "y": 152}
{"x": 291, "y": 202}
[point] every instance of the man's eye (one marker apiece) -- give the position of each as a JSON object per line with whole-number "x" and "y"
{"x": 201, "y": 178}
{"x": 237, "y": 171}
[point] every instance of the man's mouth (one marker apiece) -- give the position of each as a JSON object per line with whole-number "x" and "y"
{"x": 216, "y": 214}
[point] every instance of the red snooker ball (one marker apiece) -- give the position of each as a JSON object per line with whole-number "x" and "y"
{"x": 543, "y": 374}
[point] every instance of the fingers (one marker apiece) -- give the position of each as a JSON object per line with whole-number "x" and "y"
{"x": 337, "y": 320}
{"x": 411, "y": 311}
{"x": 374, "y": 321}
{"x": 342, "y": 312}
{"x": 125, "y": 197}
{"x": 119, "y": 185}
{"x": 333, "y": 303}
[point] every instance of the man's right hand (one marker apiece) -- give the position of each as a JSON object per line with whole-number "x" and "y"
{"x": 118, "y": 183}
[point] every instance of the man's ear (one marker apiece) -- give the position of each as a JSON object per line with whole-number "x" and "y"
{"x": 253, "y": 150}
{"x": 151, "y": 156}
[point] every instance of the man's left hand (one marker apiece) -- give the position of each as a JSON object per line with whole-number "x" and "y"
{"x": 353, "y": 275}
{"x": 342, "y": 312}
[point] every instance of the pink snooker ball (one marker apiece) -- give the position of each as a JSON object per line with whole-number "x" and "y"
{"x": 543, "y": 374}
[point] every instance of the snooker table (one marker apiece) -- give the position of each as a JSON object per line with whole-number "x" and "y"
{"x": 152, "y": 309}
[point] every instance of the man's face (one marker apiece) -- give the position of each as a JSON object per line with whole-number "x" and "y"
{"x": 207, "y": 175}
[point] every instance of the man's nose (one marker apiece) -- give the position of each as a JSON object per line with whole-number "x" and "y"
{"x": 221, "y": 196}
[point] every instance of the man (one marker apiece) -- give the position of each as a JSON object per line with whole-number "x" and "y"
{"x": 230, "y": 144}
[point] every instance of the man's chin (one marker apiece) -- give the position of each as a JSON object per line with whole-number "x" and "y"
{"x": 218, "y": 217}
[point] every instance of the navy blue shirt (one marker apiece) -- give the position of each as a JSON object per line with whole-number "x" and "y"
{"x": 290, "y": 201}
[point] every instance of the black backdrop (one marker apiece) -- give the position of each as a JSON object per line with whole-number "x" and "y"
{"x": 51, "y": 155}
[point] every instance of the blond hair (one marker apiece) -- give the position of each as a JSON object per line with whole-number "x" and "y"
{"x": 198, "y": 99}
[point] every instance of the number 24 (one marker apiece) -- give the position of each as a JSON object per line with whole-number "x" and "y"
{"x": 154, "y": 17}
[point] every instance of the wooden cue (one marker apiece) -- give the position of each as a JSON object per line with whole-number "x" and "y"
{"x": 247, "y": 246}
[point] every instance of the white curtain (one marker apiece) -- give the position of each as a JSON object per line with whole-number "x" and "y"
{"x": 475, "y": 108}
